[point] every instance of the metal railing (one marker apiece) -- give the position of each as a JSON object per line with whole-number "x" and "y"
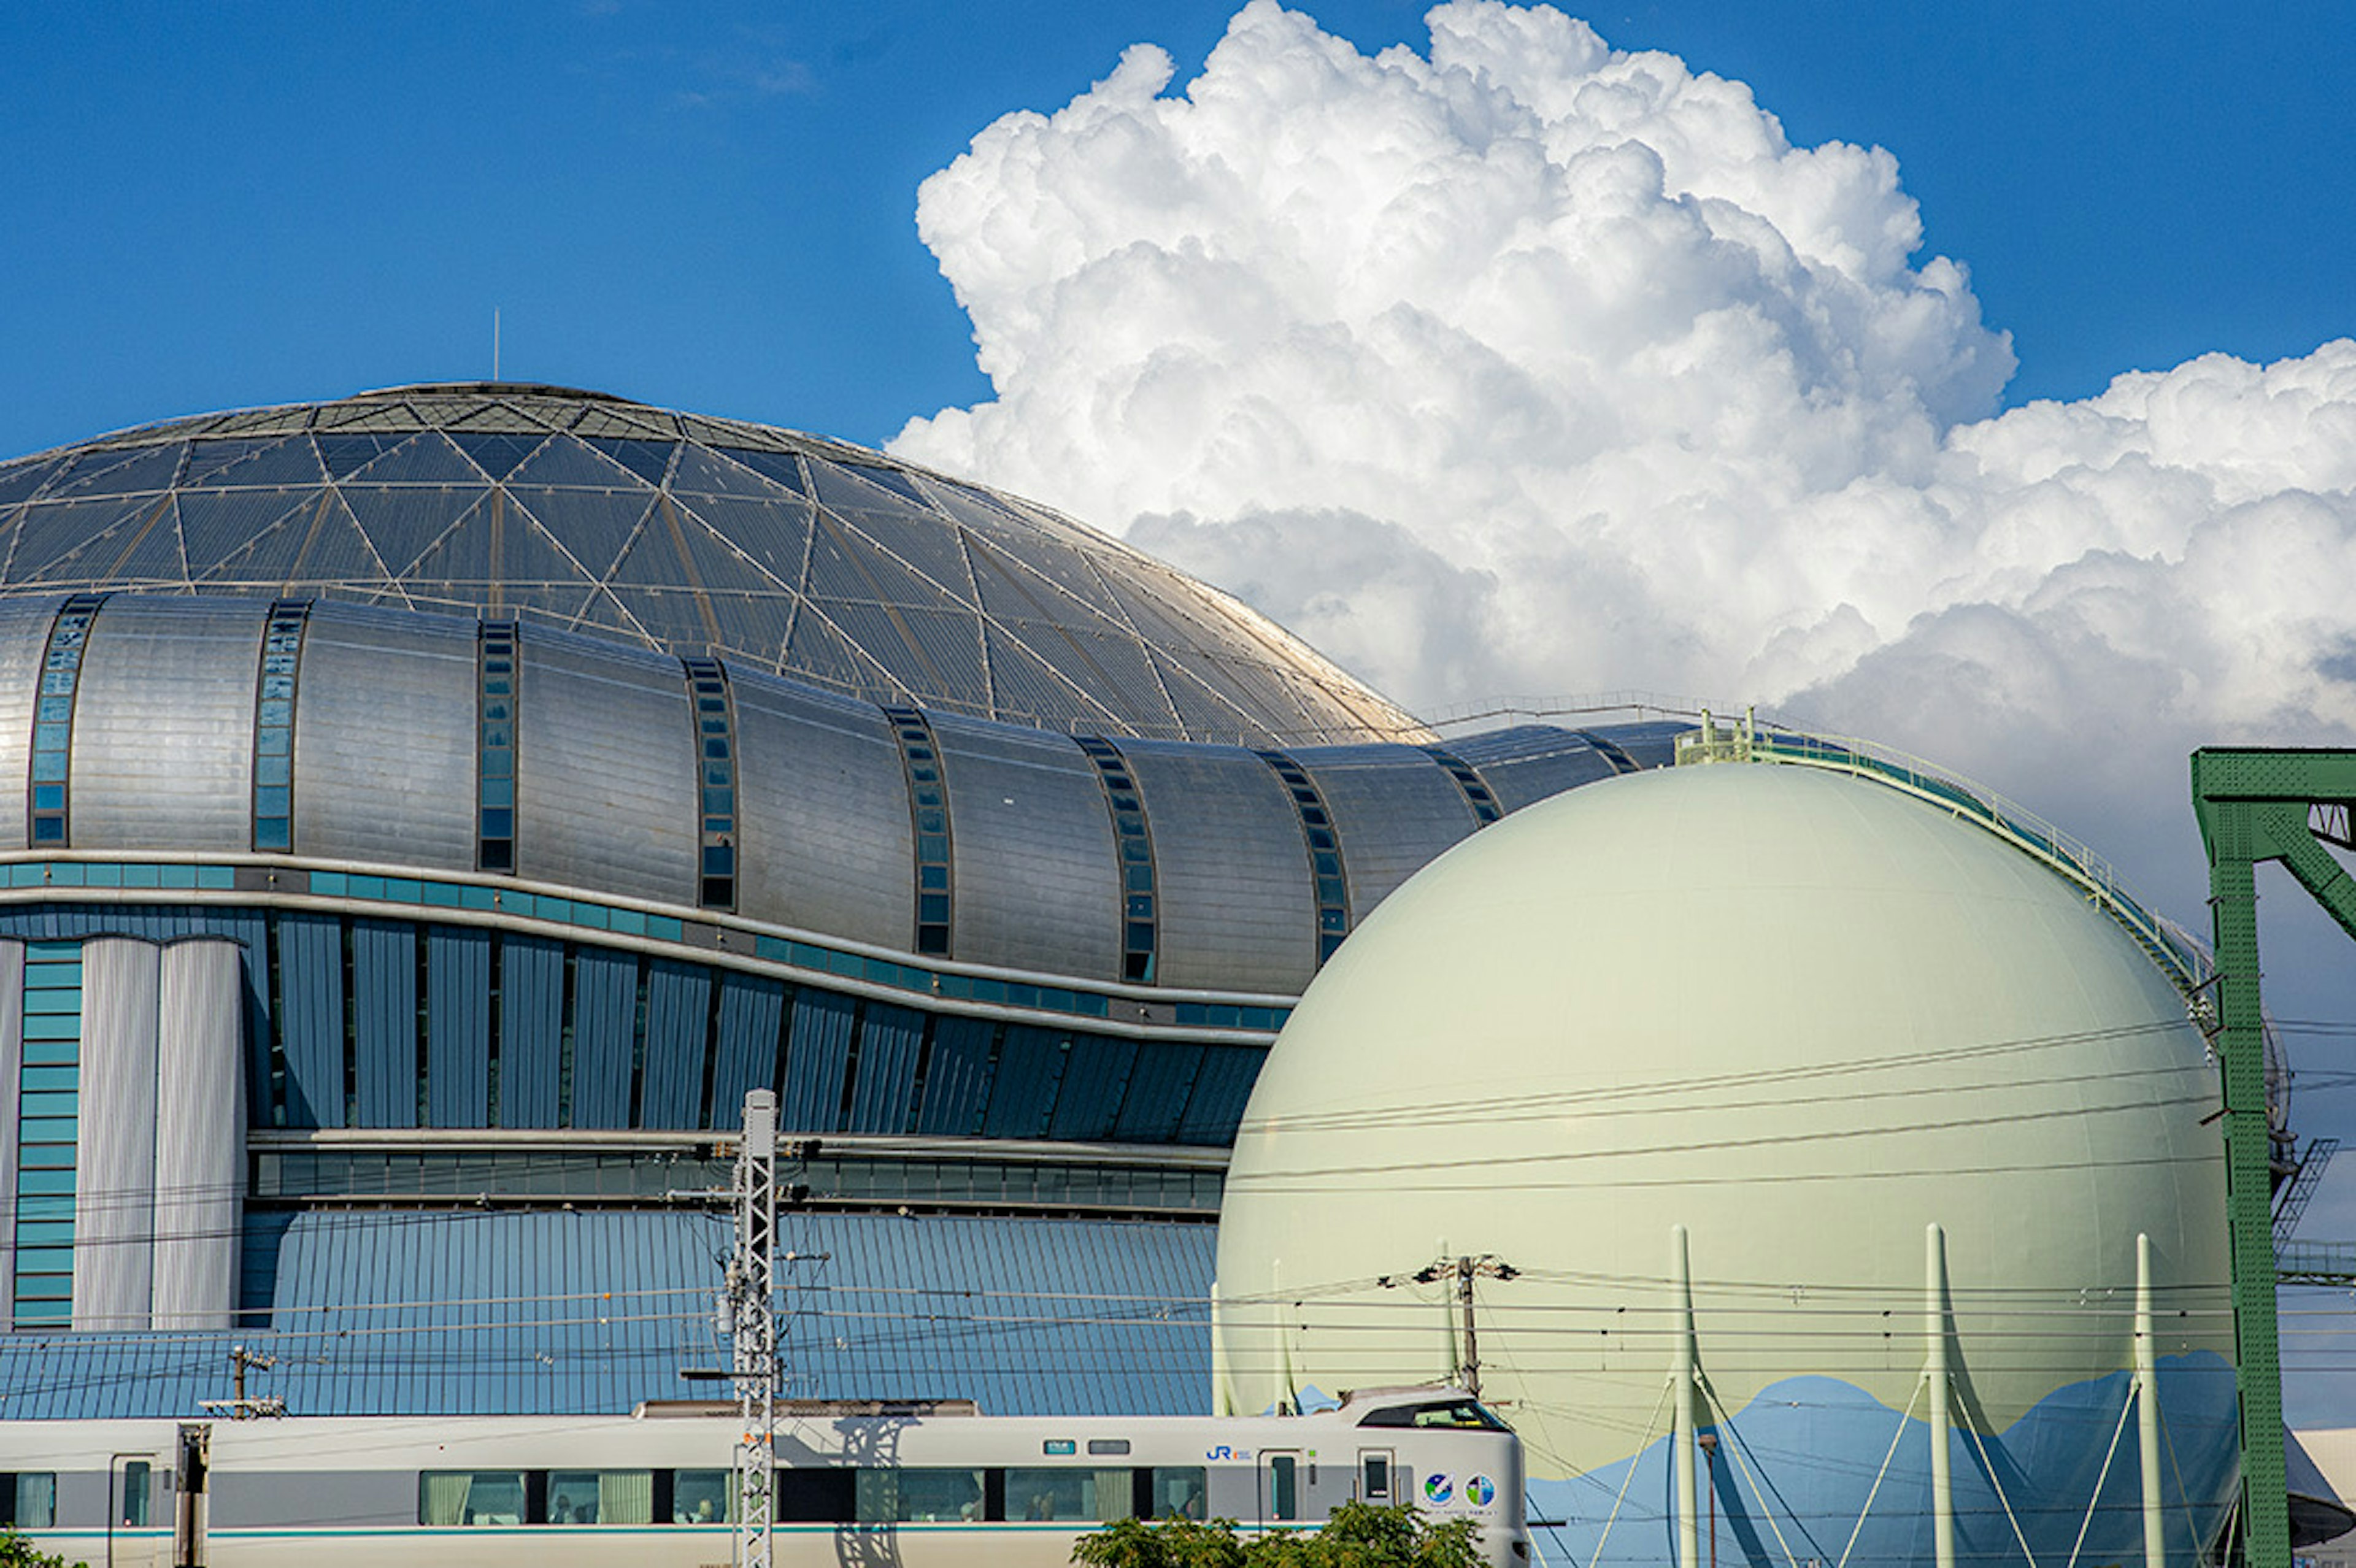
{"x": 2315, "y": 1263}
{"x": 2180, "y": 956}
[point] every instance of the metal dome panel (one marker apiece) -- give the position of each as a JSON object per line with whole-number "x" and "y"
{"x": 681, "y": 534}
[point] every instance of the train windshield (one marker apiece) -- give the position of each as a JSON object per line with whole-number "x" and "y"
{"x": 1457, "y": 1414}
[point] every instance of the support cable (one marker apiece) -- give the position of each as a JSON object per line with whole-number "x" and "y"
{"x": 2183, "y": 1492}
{"x": 1603, "y": 1540}
{"x": 1742, "y": 1468}
{"x": 2118, "y": 1431}
{"x": 1971, "y": 1429}
{"x": 1879, "y": 1476}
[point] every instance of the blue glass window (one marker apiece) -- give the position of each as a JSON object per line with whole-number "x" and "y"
{"x": 1622, "y": 762}
{"x": 1326, "y": 873}
{"x": 274, "y": 724}
{"x": 928, "y": 807}
{"x": 497, "y": 688}
{"x": 53, "y": 720}
{"x": 715, "y": 733}
{"x": 1476, "y": 794}
{"x": 1140, "y": 923}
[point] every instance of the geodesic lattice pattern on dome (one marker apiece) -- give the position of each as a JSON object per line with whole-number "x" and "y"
{"x": 827, "y": 562}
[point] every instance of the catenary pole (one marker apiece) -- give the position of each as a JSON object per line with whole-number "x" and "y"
{"x": 750, "y": 1309}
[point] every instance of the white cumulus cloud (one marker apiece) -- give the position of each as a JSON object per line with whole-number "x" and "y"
{"x": 1526, "y": 364}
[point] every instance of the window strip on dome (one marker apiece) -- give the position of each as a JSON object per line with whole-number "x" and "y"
{"x": 274, "y": 724}
{"x": 928, "y": 804}
{"x": 497, "y": 688}
{"x": 715, "y": 761}
{"x": 50, "y": 818}
{"x": 1326, "y": 871}
{"x": 1468, "y": 784}
{"x": 1622, "y": 762}
{"x": 1133, "y": 838}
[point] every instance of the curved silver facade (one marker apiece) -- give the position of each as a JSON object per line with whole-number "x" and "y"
{"x": 827, "y": 842}
{"x": 604, "y": 771}
{"x": 385, "y": 695}
{"x": 1393, "y": 811}
{"x": 388, "y": 768}
{"x": 1237, "y": 907}
{"x": 1035, "y": 875}
{"x": 162, "y": 737}
{"x": 24, "y": 632}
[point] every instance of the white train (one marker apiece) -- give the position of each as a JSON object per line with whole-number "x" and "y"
{"x": 960, "y": 1490}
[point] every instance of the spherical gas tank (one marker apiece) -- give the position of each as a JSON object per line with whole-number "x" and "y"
{"x": 1782, "y": 1092}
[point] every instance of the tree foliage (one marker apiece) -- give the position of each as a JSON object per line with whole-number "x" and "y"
{"x": 16, "y": 1551}
{"x": 1166, "y": 1543}
{"x": 1359, "y": 1535}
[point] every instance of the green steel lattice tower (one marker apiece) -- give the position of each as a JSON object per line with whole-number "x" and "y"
{"x": 2254, "y": 807}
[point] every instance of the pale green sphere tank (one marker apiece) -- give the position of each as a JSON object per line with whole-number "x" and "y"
{"x": 1800, "y": 1014}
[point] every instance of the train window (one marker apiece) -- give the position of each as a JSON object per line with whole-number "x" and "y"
{"x": 1283, "y": 1485}
{"x": 912, "y": 1496}
{"x": 1465, "y": 1414}
{"x": 600, "y": 1497}
{"x": 470, "y": 1497}
{"x": 700, "y": 1496}
{"x": 1065, "y": 1493}
{"x": 137, "y": 1487}
{"x": 1177, "y": 1489}
{"x": 817, "y": 1496}
{"x": 28, "y": 1500}
{"x": 1374, "y": 1478}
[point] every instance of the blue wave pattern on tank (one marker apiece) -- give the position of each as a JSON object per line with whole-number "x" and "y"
{"x": 1794, "y": 1467}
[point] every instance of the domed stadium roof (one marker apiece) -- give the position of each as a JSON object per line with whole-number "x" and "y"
{"x": 816, "y": 560}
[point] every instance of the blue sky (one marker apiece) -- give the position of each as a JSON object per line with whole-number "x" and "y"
{"x": 711, "y": 207}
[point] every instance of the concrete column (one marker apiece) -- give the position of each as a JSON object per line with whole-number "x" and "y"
{"x": 114, "y": 1152}
{"x": 2147, "y": 1371}
{"x": 1935, "y": 1326}
{"x": 1222, "y": 1402}
{"x": 1681, "y": 1397}
{"x": 200, "y": 1134}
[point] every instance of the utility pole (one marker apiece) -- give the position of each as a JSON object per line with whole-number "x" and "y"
{"x": 1462, "y": 1271}
{"x": 745, "y": 1314}
{"x": 238, "y": 1407}
{"x": 748, "y": 1317}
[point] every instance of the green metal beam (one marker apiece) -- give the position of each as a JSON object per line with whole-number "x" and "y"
{"x": 2253, "y": 806}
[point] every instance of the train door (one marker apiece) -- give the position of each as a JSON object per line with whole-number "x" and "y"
{"x": 192, "y": 1499}
{"x": 1376, "y": 1482}
{"x": 1279, "y": 1492}
{"x": 133, "y": 1536}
